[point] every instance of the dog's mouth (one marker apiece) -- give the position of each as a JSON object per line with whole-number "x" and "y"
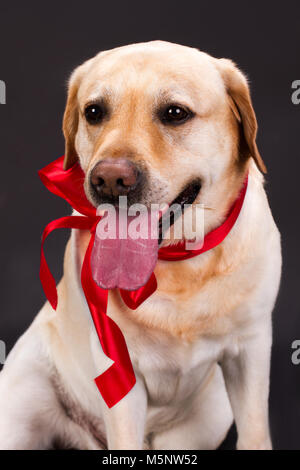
{"x": 176, "y": 209}
{"x": 125, "y": 260}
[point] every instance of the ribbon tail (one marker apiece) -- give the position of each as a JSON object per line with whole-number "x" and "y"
{"x": 119, "y": 378}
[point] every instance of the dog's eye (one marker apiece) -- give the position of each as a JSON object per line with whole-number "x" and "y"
{"x": 94, "y": 113}
{"x": 175, "y": 114}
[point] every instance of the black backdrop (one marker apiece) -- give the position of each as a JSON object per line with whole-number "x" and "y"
{"x": 40, "y": 44}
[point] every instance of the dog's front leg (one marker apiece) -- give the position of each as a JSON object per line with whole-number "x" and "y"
{"x": 247, "y": 381}
{"x": 125, "y": 422}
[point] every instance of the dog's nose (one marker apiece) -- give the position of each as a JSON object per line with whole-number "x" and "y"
{"x": 114, "y": 177}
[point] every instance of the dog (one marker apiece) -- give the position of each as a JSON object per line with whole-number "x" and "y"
{"x": 200, "y": 345}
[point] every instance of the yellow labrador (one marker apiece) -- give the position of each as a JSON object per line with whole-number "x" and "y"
{"x": 200, "y": 345}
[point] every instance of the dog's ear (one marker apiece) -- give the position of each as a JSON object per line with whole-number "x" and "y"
{"x": 71, "y": 118}
{"x": 241, "y": 105}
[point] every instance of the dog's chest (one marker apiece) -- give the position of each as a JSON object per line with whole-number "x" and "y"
{"x": 174, "y": 371}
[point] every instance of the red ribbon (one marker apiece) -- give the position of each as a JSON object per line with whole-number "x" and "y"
{"x": 119, "y": 378}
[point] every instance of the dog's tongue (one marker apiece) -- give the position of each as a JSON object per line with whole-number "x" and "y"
{"x": 125, "y": 250}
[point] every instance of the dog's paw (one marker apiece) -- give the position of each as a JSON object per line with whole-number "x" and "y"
{"x": 254, "y": 444}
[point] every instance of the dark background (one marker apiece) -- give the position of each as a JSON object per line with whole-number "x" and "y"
{"x": 40, "y": 44}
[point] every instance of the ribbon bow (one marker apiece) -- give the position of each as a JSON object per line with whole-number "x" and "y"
{"x": 119, "y": 378}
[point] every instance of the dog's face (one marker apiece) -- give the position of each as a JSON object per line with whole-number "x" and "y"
{"x": 159, "y": 122}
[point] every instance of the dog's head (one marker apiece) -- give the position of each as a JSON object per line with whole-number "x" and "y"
{"x": 159, "y": 122}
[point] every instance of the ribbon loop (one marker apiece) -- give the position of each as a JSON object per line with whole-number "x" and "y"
{"x": 46, "y": 277}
